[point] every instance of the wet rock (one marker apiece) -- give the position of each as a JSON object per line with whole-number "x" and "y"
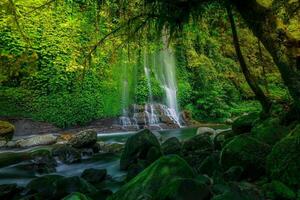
{"x": 206, "y": 130}
{"x": 94, "y": 176}
{"x": 76, "y": 196}
{"x": 3, "y": 143}
{"x": 45, "y": 186}
{"x": 84, "y": 139}
{"x": 137, "y": 147}
{"x": 12, "y": 144}
{"x": 238, "y": 192}
{"x": 37, "y": 140}
{"x": 277, "y": 190}
{"x": 68, "y": 185}
{"x": 64, "y": 137}
{"x": 269, "y": 131}
{"x": 8, "y": 191}
{"x": 196, "y": 149}
{"x": 6, "y": 130}
{"x": 246, "y": 152}
{"x": 111, "y": 147}
{"x": 234, "y": 173}
{"x": 244, "y": 123}
{"x": 66, "y": 153}
{"x": 135, "y": 169}
{"x": 149, "y": 182}
{"x": 210, "y": 165}
{"x": 42, "y": 163}
{"x": 153, "y": 154}
{"x": 283, "y": 163}
{"x": 184, "y": 189}
{"x": 171, "y": 146}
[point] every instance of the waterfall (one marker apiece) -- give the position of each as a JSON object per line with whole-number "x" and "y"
{"x": 165, "y": 66}
{"x": 149, "y": 107}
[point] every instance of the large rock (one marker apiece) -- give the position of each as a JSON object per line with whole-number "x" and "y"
{"x": 68, "y": 185}
{"x": 277, "y": 190}
{"x": 269, "y": 131}
{"x": 84, "y": 139}
{"x": 244, "y": 123}
{"x": 196, "y": 149}
{"x": 206, "y": 130}
{"x": 8, "y": 191}
{"x": 185, "y": 189}
{"x": 45, "y": 186}
{"x": 150, "y": 181}
{"x": 137, "y": 147}
{"x": 171, "y": 146}
{"x": 41, "y": 162}
{"x": 76, "y": 196}
{"x": 94, "y": 176}
{"x": 246, "y": 152}
{"x": 6, "y": 130}
{"x": 283, "y": 163}
{"x": 66, "y": 153}
{"x": 37, "y": 140}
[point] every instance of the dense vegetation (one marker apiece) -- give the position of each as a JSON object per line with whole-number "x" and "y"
{"x": 51, "y": 69}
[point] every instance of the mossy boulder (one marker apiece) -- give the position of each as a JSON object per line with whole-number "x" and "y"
{"x": 66, "y": 153}
{"x": 269, "y": 131}
{"x": 247, "y": 152}
{"x": 94, "y": 176}
{"x": 45, "y": 186}
{"x": 76, "y": 196}
{"x": 9, "y": 191}
{"x": 171, "y": 146}
{"x": 277, "y": 190}
{"x": 283, "y": 163}
{"x": 210, "y": 165}
{"x": 196, "y": 149}
{"x": 137, "y": 147}
{"x": 244, "y": 123}
{"x": 68, "y": 185}
{"x": 6, "y": 130}
{"x": 149, "y": 182}
{"x": 84, "y": 139}
{"x": 185, "y": 189}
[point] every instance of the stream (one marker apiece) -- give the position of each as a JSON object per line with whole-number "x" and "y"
{"x": 15, "y": 173}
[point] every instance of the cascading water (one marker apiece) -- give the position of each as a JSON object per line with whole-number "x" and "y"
{"x": 153, "y": 114}
{"x": 165, "y": 72}
{"x": 149, "y": 108}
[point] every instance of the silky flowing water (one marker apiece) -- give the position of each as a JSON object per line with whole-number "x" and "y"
{"x": 15, "y": 173}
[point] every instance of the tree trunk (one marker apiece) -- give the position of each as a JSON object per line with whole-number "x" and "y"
{"x": 260, "y": 96}
{"x": 282, "y": 46}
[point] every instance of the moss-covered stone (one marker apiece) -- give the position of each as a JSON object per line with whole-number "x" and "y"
{"x": 283, "y": 162}
{"x": 210, "y": 165}
{"x": 76, "y": 196}
{"x": 277, "y": 190}
{"x": 246, "y": 152}
{"x": 137, "y": 147}
{"x": 185, "y": 189}
{"x": 6, "y": 130}
{"x": 196, "y": 149}
{"x": 171, "y": 146}
{"x": 149, "y": 182}
{"x": 244, "y": 123}
{"x": 269, "y": 131}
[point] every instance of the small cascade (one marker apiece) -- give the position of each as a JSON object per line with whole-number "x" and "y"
{"x": 149, "y": 110}
{"x": 165, "y": 66}
{"x": 153, "y": 114}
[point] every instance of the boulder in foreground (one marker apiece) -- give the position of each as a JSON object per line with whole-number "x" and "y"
{"x": 149, "y": 182}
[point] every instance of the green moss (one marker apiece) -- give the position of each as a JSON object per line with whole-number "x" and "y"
{"x": 246, "y": 152}
{"x": 283, "y": 162}
{"x": 6, "y": 130}
{"x": 149, "y": 181}
{"x": 244, "y": 123}
{"x": 269, "y": 131}
{"x": 76, "y": 196}
{"x": 137, "y": 147}
{"x": 277, "y": 190}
